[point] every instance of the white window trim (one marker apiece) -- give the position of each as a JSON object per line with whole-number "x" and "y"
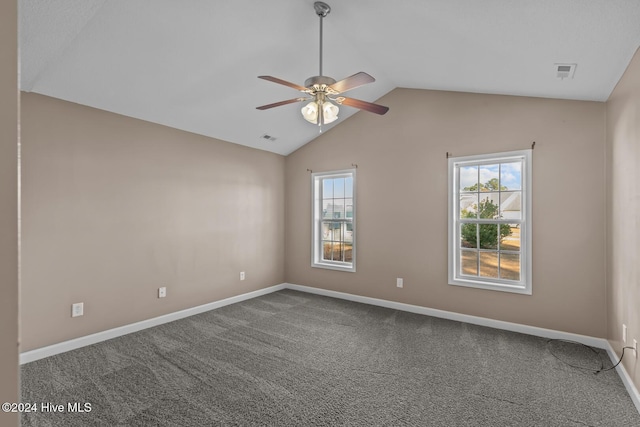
{"x": 525, "y": 284}
{"x": 316, "y": 222}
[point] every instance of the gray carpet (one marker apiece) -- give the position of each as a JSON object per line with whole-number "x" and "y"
{"x": 295, "y": 359}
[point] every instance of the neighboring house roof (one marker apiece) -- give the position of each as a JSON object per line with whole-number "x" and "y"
{"x": 510, "y": 206}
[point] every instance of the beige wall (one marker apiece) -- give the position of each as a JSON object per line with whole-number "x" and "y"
{"x": 8, "y": 208}
{"x": 114, "y": 207}
{"x": 623, "y": 213}
{"x": 402, "y": 203}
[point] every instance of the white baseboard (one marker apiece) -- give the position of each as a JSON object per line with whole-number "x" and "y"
{"x": 40, "y": 353}
{"x": 624, "y": 375}
{"x": 475, "y": 320}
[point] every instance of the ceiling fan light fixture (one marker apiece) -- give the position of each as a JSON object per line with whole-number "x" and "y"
{"x": 310, "y": 112}
{"x": 329, "y": 112}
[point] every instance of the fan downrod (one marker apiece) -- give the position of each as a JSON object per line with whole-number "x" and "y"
{"x": 322, "y": 9}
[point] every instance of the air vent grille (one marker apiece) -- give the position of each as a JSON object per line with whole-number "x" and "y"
{"x": 565, "y": 71}
{"x": 268, "y": 137}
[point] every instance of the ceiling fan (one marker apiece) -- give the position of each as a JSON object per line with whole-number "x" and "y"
{"x": 322, "y": 91}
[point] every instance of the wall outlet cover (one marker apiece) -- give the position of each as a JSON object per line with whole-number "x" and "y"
{"x": 77, "y": 309}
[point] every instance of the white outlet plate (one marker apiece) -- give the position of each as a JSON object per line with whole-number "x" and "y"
{"x": 399, "y": 282}
{"x": 77, "y": 309}
{"x": 635, "y": 348}
{"x": 624, "y": 333}
{"x": 242, "y": 275}
{"x": 162, "y": 292}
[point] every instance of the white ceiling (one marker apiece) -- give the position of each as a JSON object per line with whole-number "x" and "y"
{"x": 193, "y": 64}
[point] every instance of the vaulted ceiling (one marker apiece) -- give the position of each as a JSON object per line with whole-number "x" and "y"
{"x": 193, "y": 64}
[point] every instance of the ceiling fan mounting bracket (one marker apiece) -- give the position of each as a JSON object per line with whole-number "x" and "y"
{"x": 322, "y": 9}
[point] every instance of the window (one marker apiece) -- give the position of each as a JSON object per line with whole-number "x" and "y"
{"x": 490, "y": 221}
{"x": 334, "y": 220}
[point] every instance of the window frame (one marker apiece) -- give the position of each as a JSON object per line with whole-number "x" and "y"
{"x": 316, "y": 221}
{"x": 524, "y": 285}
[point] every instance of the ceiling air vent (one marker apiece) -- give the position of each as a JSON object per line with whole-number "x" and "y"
{"x": 565, "y": 71}
{"x": 268, "y": 137}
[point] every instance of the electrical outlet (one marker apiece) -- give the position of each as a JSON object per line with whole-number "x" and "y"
{"x": 162, "y": 292}
{"x": 624, "y": 333}
{"x": 635, "y": 348}
{"x": 77, "y": 309}
{"x": 242, "y": 275}
{"x": 399, "y": 282}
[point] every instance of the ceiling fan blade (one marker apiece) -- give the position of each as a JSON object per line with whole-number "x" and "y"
{"x": 363, "y": 105}
{"x": 352, "y": 82}
{"x": 278, "y": 104}
{"x": 284, "y": 82}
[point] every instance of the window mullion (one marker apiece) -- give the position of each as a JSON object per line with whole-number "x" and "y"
{"x": 490, "y": 221}
{"x": 499, "y": 247}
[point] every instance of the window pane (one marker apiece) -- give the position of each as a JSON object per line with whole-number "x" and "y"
{"x": 489, "y": 236}
{"x": 327, "y": 188}
{"x": 489, "y": 264}
{"x": 510, "y": 266}
{"x": 488, "y": 206}
{"x": 489, "y": 177}
{"x": 511, "y": 205}
{"x": 338, "y": 187}
{"x": 327, "y": 209}
{"x": 468, "y": 205}
{"x": 326, "y": 231}
{"x": 348, "y": 252}
{"x": 338, "y": 208}
{"x": 469, "y": 263}
{"x": 348, "y": 232}
{"x": 511, "y": 176}
{"x": 468, "y": 235}
{"x": 348, "y": 208}
{"x": 337, "y": 231}
{"x": 338, "y": 251}
{"x": 510, "y": 237}
{"x": 469, "y": 178}
{"x": 327, "y": 251}
{"x": 348, "y": 187}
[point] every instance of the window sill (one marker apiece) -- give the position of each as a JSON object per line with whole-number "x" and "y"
{"x": 501, "y": 287}
{"x": 346, "y": 268}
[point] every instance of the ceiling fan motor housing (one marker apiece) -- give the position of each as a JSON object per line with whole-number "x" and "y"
{"x": 319, "y": 80}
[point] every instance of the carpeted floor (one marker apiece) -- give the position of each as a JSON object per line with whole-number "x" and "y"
{"x": 296, "y": 359}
